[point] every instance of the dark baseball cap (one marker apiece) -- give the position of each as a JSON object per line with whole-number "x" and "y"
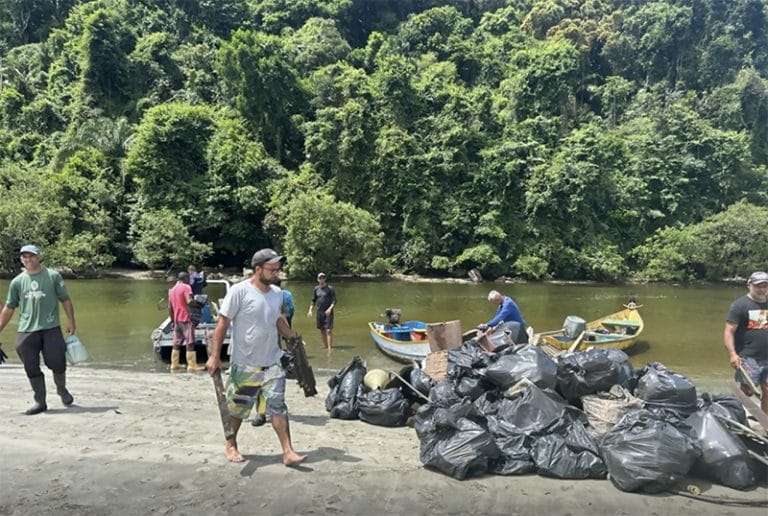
{"x": 263, "y": 256}
{"x": 30, "y": 249}
{"x": 758, "y": 277}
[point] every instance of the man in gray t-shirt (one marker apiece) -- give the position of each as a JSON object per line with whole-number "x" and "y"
{"x": 256, "y": 376}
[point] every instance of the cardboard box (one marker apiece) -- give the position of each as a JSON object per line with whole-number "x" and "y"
{"x": 444, "y": 335}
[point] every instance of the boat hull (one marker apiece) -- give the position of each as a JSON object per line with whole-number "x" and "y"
{"x": 411, "y": 342}
{"x": 162, "y": 343}
{"x": 619, "y": 330}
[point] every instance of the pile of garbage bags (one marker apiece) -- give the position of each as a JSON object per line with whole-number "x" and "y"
{"x": 392, "y": 405}
{"x": 587, "y": 414}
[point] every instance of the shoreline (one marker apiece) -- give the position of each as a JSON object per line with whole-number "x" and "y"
{"x": 233, "y": 275}
{"x": 139, "y": 443}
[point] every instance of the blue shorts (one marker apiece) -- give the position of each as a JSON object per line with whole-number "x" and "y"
{"x": 756, "y": 369}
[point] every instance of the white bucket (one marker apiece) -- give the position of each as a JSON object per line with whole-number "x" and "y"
{"x": 76, "y": 352}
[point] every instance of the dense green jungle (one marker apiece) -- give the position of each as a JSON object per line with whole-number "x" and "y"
{"x": 568, "y": 139}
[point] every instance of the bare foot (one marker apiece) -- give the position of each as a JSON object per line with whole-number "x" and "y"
{"x": 292, "y": 458}
{"x": 233, "y": 455}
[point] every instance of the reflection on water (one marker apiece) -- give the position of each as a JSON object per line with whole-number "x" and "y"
{"x": 683, "y": 325}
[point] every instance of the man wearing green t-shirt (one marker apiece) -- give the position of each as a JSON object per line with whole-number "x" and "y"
{"x": 37, "y": 292}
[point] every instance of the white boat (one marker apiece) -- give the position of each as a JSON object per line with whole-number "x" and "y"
{"x": 162, "y": 336}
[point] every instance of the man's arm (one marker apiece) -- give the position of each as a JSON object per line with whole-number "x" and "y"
{"x": 214, "y": 360}
{"x": 729, "y": 340}
{"x": 329, "y": 310}
{"x": 283, "y": 329}
{"x": 69, "y": 309}
{"x": 5, "y": 316}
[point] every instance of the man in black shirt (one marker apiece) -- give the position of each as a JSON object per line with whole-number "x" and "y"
{"x": 324, "y": 299}
{"x": 746, "y": 335}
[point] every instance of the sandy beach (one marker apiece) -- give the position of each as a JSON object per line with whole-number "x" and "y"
{"x": 142, "y": 443}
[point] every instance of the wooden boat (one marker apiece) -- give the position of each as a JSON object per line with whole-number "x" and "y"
{"x": 618, "y": 330}
{"x": 402, "y": 342}
{"x": 162, "y": 336}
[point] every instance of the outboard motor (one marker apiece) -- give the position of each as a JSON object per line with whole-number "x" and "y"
{"x": 392, "y": 315}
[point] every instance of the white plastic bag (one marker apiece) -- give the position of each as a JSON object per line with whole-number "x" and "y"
{"x": 75, "y": 352}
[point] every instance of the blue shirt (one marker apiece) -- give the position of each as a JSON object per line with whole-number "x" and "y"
{"x": 507, "y": 312}
{"x": 287, "y": 309}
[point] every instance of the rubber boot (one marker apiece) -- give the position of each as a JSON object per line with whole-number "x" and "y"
{"x": 192, "y": 366}
{"x": 60, "y": 379}
{"x": 175, "y": 356}
{"x": 38, "y": 386}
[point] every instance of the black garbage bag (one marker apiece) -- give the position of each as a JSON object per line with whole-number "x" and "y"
{"x": 341, "y": 401}
{"x": 592, "y": 371}
{"x": 514, "y": 448}
{"x": 524, "y": 361}
{"x": 645, "y": 453}
{"x": 445, "y": 393}
{"x": 466, "y": 359}
{"x": 461, "y": 449}
{"x": 724, "y": 457}
{"x": 438, "y": 414}
{"x": 723, "y": 405}
{"x": 566, "y": 450}
{"x": 288, "y": 361}
{"x": 531, "y": 409}
{"x": 471, "y": 388}
{"x": 488, "y": 403}
{"x": 423, "y": 383}
{"x": 662, "y": 388}
{"x": 383, "y": 407}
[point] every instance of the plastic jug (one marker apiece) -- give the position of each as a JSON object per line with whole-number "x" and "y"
{"x": 76, "y": 352}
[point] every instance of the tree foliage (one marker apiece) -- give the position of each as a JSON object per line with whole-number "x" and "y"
{"x": 573, "y": 139}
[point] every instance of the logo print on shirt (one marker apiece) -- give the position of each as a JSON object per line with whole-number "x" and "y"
{"x": 758, "y": 320}
{"x": 34, "y": 293}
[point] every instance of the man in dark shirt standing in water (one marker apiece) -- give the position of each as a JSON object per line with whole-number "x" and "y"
{"x": 324, "y": 299}
{"x": 746, "y": 336}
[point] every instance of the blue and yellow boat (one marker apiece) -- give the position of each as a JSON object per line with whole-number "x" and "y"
{"x": 404, "y": 342}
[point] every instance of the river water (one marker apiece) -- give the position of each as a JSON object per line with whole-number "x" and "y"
{"x": 683, "y": 324}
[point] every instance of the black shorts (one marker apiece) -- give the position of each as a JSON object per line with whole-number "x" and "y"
{"x": 324, "y": 322}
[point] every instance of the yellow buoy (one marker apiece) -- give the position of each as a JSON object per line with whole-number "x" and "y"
{"x": 376, "y": 379}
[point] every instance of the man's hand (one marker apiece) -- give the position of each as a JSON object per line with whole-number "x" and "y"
{"x": 70, "y": 329}
{"x": 309, "y": 312}
{"x": 213, "y": 364}
{"x": 328, "y": 312}
{"x": 735, "y": 360}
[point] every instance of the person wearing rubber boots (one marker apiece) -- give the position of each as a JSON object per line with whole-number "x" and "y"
{"x": 37, "y": 292}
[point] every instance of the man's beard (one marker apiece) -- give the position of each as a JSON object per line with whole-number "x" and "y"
{"x": 268, "y": 281}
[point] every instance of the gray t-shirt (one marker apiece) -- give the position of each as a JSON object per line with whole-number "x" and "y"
{"x": 254, "y": 317}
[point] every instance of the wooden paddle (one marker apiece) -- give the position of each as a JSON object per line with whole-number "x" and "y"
{"x": 576, "y": 342}
{"x": 221, "y": 399}
{"x": 749, "y": 381}
{"x": 750, "y": 405}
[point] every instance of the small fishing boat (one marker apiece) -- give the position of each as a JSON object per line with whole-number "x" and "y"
{"x": 162, "y": 336}
{"x": 404, "y": 342}
{"x": 618, "y": 330}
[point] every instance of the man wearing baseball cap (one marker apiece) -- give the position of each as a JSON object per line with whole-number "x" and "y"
{"x": 37, "y": 291}
{"x": 746, "y": 336}
{"x": 256, "y": 376}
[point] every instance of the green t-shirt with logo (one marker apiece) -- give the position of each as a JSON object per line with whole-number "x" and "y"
{"x": 37, "y": 296}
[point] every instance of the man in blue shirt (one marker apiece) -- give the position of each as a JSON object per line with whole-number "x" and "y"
{"x": 509, "y": 314}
